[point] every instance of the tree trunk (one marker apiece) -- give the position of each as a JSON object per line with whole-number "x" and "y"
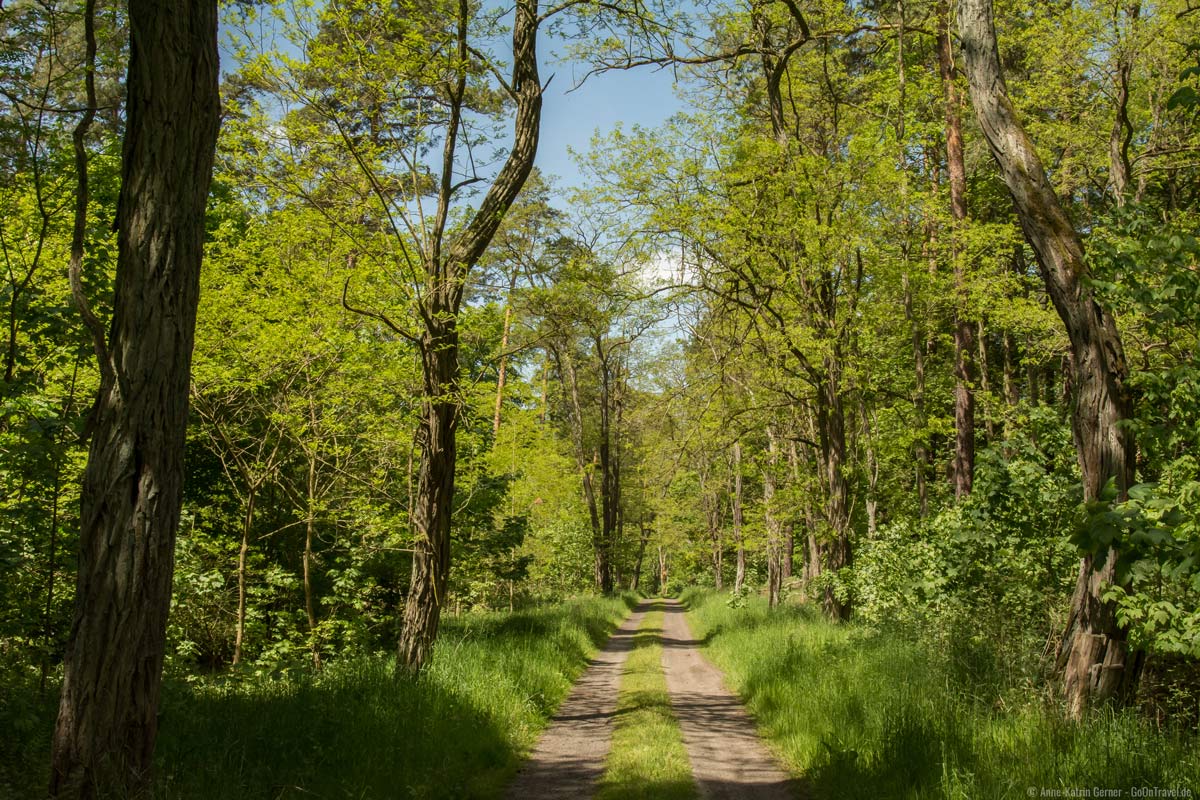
{"x": 609, "y": 478}
{"x": 439, "y": 343}
{"x": 643, "y": 540}
{"x": 51, "y": 568}
{"x": 1012, "y": 394}
{"x": 789, "y": 550}
{"x": 739, "y": 581}
{"x": 435, "y": 493}
{"x": 1094, "y": 654}
{"x": 503, "y": 370}
{"x": 566, "y": 370}
{"x": 662, "y": 570}
{"x": 502, "y": 374}
{"x": 964, "y": 396}
{"x": 922, "y": 447}
{"x": 831, "y": 421}
{"x": 1121, "y": 135}
{"x": 243, "y": 553}
{"x": 872, "y": 467}
{"x": 771, "y": 522}
{"x": 132, "y": 486}
{"x": 712, "y": 520}
{"x": 985, "y": 381}
{"x": 310, "y": 603}
{"x": 545, "y": 391}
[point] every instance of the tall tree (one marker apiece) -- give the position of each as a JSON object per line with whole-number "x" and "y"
{"x": 446, "y": 272}
{"x": 1094, "y": 655}
{"x": 107, "y": 721}
{"x": 964, "y": 390}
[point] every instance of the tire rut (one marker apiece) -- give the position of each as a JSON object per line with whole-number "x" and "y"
{"x": 729, "y": 761}
{"x": 569, "y": 759}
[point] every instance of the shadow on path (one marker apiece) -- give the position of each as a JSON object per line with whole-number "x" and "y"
{"x": 729, "y": 761}
{"x": 569, "y": 759}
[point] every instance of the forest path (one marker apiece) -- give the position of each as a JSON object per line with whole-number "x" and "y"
{"x": 569, "y": 760}
{"x": 729, "y": 761}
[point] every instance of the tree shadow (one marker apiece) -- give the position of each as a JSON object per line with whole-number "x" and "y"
{"x": 365, "y": 735}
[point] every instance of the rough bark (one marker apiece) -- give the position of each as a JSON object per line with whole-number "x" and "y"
{"x": 439, "y": 342}
{"x": 1094, "y": 656}
{"x": 1121, "y": 135}
{"x": 107, "y": 720}
{"x": 431, "y": 515}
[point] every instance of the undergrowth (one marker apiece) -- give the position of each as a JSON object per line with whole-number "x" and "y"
{"x": 860, "y": 712}
{"x": 357, "y": 729}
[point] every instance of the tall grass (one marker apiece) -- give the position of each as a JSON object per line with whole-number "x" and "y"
{"x": 860, "y": 713}
{"x": 648, "y": 760}
{"x": 357, "y": 730}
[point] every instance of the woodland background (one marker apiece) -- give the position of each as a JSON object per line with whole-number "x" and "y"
{"x": 734, "y": 359}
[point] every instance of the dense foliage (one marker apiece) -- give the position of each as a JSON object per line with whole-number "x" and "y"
{"x": 737, "y": 358}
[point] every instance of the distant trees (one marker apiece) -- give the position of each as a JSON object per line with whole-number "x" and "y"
{"x": 768, "y": 349}
{"x": 877, "y": 329}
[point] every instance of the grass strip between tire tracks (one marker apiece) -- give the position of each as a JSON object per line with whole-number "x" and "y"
{"x": 648, "y": 758}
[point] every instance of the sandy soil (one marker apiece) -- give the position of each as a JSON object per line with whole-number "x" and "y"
{"x": 728, "y": 758}
{"x": 568, "y": 761}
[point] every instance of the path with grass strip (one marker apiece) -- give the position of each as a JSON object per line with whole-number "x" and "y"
{"x": 569, "y": 759}
{"x": 671, "y": 710}
{"x": 648, "y": 759}
{"x": 729, "y": 761}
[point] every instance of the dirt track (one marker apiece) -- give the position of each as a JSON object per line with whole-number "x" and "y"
{"x": 568, "y": 760}
{"x": 728, "y": 760}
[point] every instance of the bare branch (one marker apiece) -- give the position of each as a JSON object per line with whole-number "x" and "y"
{"x": 75, "y": 270}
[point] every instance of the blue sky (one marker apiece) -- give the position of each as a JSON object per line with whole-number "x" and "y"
{"x": 642, "y": 96}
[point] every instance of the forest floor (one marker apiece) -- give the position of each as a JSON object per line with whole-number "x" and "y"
{"x": 727, "y": 758}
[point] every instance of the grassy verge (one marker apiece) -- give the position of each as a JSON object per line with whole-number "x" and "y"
{"x": 648, "y": 759}
{"x": 859, "y": 713}
{"x": 356, "y": 731}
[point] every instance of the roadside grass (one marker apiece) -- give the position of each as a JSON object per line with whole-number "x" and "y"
{"x": 859, "y": 713}
{"x": 357, "y": 730}
{"x": 648, "y": 760}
